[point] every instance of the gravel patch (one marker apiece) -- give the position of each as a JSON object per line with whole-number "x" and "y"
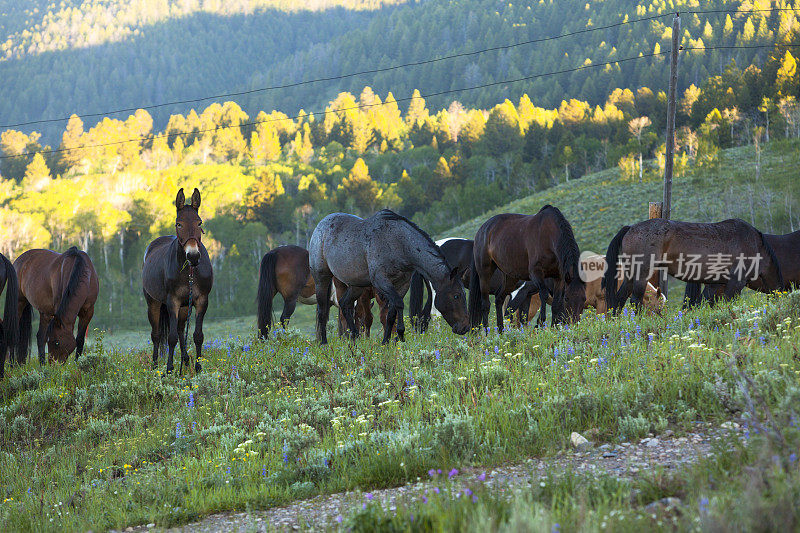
{"x": 626, "y": 460}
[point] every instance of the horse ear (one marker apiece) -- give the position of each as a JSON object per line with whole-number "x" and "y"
{"x": 454, "y": 273}
{"x": 196, "y": 199}
{"x": 180, "y": 200}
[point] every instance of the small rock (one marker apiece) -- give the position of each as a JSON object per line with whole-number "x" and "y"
{"x": 729, "y": 425}
{"x": 605, "y": 446}
{"x": 667, "y": 433}
{"x": 652, "y": 443}
{"x": 682, "y": 439}
{"x": 663, "y": 505}
{"x": 578, "y": 441}
{"x": 151, "y": 524}
{"x": 626, "y": 444}
{"x": 609, "y": 454}
{"x": 644, "y": 440}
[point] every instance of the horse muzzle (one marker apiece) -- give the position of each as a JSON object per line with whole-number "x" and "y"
{"x": 192, "y": 251}
{"x": 461, "y": 329}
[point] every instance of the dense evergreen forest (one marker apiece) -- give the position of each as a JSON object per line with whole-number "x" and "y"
{"x": 268, "y": 177}
{"x": 65, "y": 57}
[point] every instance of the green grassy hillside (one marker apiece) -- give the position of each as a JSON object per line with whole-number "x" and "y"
{"x": 598, "y": 204}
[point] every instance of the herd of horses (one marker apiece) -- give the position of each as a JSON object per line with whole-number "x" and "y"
{"x": 525, "y": 262}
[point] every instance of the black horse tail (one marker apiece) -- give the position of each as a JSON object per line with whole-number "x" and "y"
{"x": 475, "y": 297}
{"x": 609, "y": 282}
{"x": 24, "y": 334}
{"x": 415, "y": 298}
{"x": 72, "y": 284}
{"x": 267, "y": 285}
{"x": 774, "y": 258}
{"x": 418, "y": 312}
{"x": 10, "y": 317}
{"x": 426, "y": 311}
{"x": 163, "y": 327}
{"x": 693, "y": 295}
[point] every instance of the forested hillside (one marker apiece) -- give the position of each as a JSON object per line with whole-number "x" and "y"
{"x": 92, "y": 56}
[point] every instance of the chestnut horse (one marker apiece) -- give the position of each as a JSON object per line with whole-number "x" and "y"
{"x": 177, "y": 275}
{"x": 9, "y": 324}
{"x": 732, "y": 253}
{"x": 285, "y": 270}
{"x": 526, "y": 247}
{"x": 63, "y": 288}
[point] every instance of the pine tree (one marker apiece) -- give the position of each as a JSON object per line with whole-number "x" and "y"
{"x": 37, "y": 174}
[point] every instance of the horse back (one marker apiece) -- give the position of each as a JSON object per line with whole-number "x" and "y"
{"x": 515, "y": 242}
{"x": 43, "y": 276}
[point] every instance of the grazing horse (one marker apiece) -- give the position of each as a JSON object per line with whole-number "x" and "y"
{"x": 63, "y": 288}
{"x": 722, "y": 252}
{"x": 177, "y": 275}
{"x": 285, "y": 270}
{"x": 527, "y": 297}
{"x": 10, "y": 323}
{"x": 526, "y": 247}
{"x": 787, "y": 250}
{"x": 458, "y": 253}
{"x": 381, "y": 251}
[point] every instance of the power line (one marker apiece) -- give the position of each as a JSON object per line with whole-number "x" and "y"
{"x": 366, "y": 106}
{"x": 386, "y": 69}
{"x": 327, "y": 112}
{"x": 343, "y": 76}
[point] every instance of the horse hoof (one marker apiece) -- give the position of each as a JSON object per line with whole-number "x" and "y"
{"x": 197, "y": 367}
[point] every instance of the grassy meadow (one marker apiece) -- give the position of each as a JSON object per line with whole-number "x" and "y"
{"x": 109, "y": 443}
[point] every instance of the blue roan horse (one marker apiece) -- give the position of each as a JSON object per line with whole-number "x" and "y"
{"x": 381, "y": 251}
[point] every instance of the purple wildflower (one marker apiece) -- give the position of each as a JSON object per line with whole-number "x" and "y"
{"x": 191, "y": 399}
{"x": 703, "y": 504}
{"x": 453, "y": 473}
{"x": 431, "y": 472}
{"x": 368, "y": 496}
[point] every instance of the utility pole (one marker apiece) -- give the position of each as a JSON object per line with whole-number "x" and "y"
{"x": 670, "y": 155}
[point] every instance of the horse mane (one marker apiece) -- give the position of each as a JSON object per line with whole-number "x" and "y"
{"x": 567, "y": 250}
{"x": 74, "y": 278}
{"x": 388, "y": 214}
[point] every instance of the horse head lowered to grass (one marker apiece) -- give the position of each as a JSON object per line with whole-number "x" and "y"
{"x": 381, "y": 251}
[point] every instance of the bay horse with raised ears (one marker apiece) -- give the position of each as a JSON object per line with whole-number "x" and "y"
{"x": 532, "y": 248}
{"x": 712, "y": 248}
{"x": 176, "y": 276}
{"x": 63, "y": 288}
{"x": 285, "y": 270}
{"x": 381, "y": 251}
{"x": 10, "y": 323}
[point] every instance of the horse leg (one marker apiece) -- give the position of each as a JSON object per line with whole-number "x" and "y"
{"x": 733, "y": 288}
{"x": 200, "y": 305}
{"x": 183, "y": 319}
{"x": 543, "y": 294}
{"x": 394, "y": 303}
{"x": 558, "y": 304}
{"x": 41, "y": 335}
{"x": 623, "y": 293}
{"x": 172, "y": 338}
{"x": 637, "y": 297}
{"x": 500, "y": 299}
{"x": 289, "y": 305}
{"x": 348, "y": 309}
{"x": 323, "y": 291}
{"x": 154, "y": 316}
{"x": 84, "y": 317}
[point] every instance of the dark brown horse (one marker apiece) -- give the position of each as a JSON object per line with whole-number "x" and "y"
{"x": 177, "y": 276}
{"x": 732, "y": 253}
{"x": 9, "y": 324}
{"x": 285, "y": 270}
{"x": 787, "y": 250}
{"x": 63, "y": 288}
{"x": 526, "y": 247}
